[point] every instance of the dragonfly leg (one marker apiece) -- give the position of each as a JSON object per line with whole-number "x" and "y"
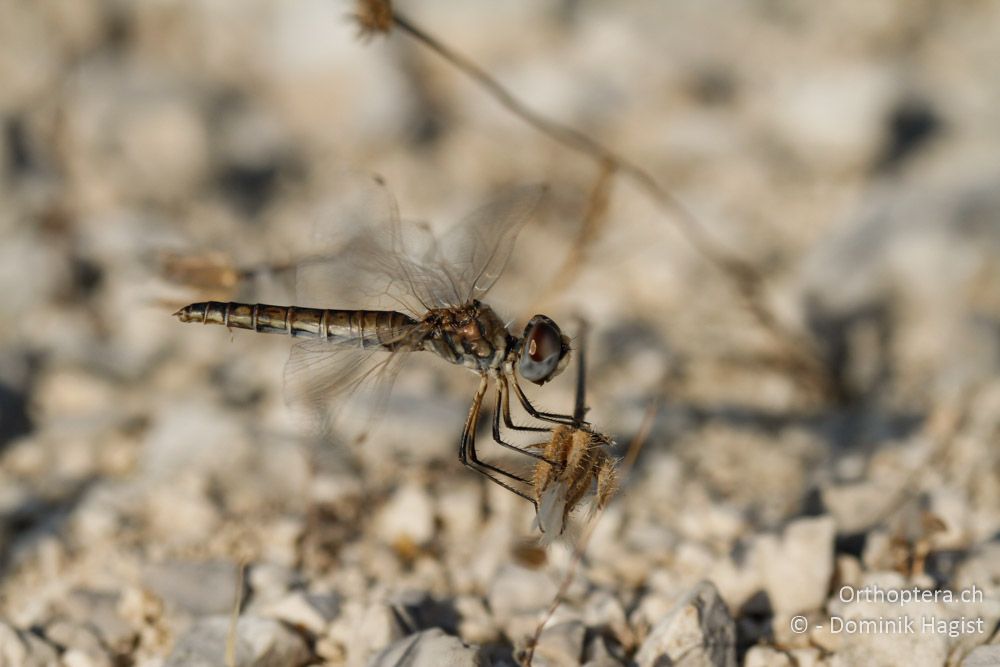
{"x": 497, "y": 410}
{"x": 505, "y": 410}
{"x": 467, "y": 449}
{"x": 555, "y": 418}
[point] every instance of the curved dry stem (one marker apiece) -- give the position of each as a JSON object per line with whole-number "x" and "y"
{"x": 802, "y": 359}
{"x": 230, "y": 655}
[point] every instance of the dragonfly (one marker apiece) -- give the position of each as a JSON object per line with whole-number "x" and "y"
{"x": 437, "y": 286}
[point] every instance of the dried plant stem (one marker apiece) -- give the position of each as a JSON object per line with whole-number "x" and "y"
{"x": 594, "y": 218}
{"x": 580, "y": 404}
{"x": 802, "y": 359}
{"x": 581, "y": 546}
{"x": 943, "y": 426}
{"x": 234, "y": 619}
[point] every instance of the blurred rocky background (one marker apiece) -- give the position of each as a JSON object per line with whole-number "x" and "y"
{"x": 848, "y": 151}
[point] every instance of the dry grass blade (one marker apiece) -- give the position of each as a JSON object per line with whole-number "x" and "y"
{"x": 235, "y": 618}
{"x": 803, "y": 361}
{"x": 943, "y": 426}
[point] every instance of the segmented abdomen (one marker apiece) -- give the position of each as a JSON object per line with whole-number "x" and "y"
{"x": 364, "y": 328}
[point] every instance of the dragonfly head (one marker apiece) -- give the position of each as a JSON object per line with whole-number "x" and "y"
{"x": 544, "y": 351}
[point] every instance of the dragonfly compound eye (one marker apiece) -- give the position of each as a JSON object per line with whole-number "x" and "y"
{"x": 544, "y": 351}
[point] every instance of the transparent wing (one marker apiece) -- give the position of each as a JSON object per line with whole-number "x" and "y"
{"x": 474, "y": 252}
{"x": 359, "y": 254}
{"x": 362, "y": 256}
{"x": 330, "y": 383}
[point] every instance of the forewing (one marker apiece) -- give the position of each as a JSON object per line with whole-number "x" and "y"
{"x": 474, "y": 252}
{"x": 362, "y": 256}
{"x": 359, "y": 253}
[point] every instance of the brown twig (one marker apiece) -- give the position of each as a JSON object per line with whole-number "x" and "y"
{"x": 594, "y": 218}
{"x": 634, "y": 447}
{"x": 803, "y": 360}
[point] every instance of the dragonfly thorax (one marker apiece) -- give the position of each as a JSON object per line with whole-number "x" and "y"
{"x": 475, "y": 337}
{"x": 471, "y": 335}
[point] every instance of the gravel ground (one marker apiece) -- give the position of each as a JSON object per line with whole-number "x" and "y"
{"x": 840, "y": 513}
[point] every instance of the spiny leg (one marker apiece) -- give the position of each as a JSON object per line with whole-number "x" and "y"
{"x": 467, "y": 449}
{"x": 505, "y": 410}
{"x": 497, "y": 410}
{"x": 565, "y": 420}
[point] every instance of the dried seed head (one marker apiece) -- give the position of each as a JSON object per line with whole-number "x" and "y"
{"x": 374, "y": 17}
{"x": 583, "y": 464}
{"x": 209, "y": 272}
{"x": 579, "y": 453}
{"x": 607, "y": 482}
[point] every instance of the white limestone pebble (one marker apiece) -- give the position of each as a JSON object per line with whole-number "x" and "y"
{"x": 560, "y": 645}
{"x": 699, "y": 631}
{"x": 408, "y": 515}
{"x": 517, "y": 590}
{"x": 197, "y": 588}
{"x": 24, "y": 649}
{"x": 798, "y": 566}
{"x": 983, "y": 656}
{"x": 301, "y": 610}
{"x": 81, "y": 645}
{"x": 430, "y": 648}
{"x": 260, "y": 642}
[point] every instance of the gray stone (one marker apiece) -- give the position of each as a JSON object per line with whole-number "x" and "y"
{"x": 598, "y": 655}
{"x": 198, "y": 588}
{"x": 25, "y": 649}
{"x": 408, "y": 515}
{"x": 560, "y": 645}
{"x": 362, "y": 629}
{"x": 698, "y": 632}
{"x": 517, "y": 590}
{"x": 605, "y": 612}
{"x": 99, "y": 611}
{"x": 983, "y": 656}
{"x": 916, "y": 649}
{"x": 910, "y": 252}
{"x": 174, "y": 445}
{"x": 475, "y": 624}
{"x": 798, "y": 567}
{"x": 858, "y": 505}
{"x": 300, "y": 610}
{"x": 765, "y": 656}
{"x": 430, "y": 648}
{"x": 82, "y": 641}
{"x": 326, "y": 605}
{"x": 260, "y": 642}
{"x": 271, "y": 581}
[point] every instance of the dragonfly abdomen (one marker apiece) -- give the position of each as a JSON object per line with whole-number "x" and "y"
{"x": 365, "y": 328}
